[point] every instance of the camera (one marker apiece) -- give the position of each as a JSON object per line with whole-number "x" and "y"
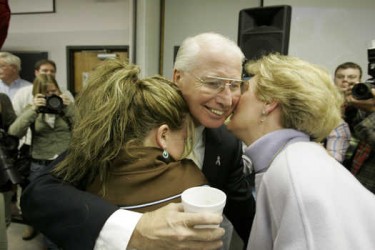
{"x": 54, "y": 105}
{"x": 362, "y": 91}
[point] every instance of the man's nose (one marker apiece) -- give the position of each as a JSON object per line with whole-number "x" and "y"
{"x": 225, "y": 97}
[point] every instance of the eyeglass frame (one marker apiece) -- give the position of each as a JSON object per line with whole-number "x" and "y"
{"x": 222, "y": 84}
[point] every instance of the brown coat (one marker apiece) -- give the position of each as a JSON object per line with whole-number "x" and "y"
{"x": 151, "y": 179}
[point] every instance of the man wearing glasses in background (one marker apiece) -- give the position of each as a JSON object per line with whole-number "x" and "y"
{"x": 208, "y": 71}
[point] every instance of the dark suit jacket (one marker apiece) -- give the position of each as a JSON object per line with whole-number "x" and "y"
{"x": 73, "y": 218}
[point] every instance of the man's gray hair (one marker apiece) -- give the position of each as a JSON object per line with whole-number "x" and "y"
{"x": 11, "y": 59}
{"x": 192, "y": 46}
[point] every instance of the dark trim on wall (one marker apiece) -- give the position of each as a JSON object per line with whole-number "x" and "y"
{"x": 135, "y": 9}
{"x": 161, "y": 36}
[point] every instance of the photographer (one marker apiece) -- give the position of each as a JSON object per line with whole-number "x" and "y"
{"x": 7, "y": 116}
{"x": 360, "y": 115}
{"x": 50, "y": 118}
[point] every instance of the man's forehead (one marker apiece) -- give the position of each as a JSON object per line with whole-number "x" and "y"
{"x": 348, "y": 71}
{"x": 47, "y": 66}
{"x": 218, "y": 69}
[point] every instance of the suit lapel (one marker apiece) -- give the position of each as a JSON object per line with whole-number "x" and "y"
{"x": 213, "y": 153}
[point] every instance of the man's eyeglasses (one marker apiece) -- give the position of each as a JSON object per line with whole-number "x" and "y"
{"x": 217, "y": 84}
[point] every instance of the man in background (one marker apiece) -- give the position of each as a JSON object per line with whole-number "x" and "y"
{"x": 24, "y": 96}
{"x": 346, "y": 75}
{"x": 10, "y": 80}
{"x": 360, "y": 115}
{"x": 339, "y": 140}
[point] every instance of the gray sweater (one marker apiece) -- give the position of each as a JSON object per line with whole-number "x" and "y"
{"x": 48, "y": 140}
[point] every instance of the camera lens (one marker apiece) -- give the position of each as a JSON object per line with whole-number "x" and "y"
{"x": 54, "y": 102}
{"x": 362, "y": 91}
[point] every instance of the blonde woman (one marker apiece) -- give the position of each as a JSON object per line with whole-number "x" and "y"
{"x": 50, "y": 117}
{"x": 304, "y": 198}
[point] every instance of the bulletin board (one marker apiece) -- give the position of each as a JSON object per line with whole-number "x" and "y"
{"x": 18, "y": 7}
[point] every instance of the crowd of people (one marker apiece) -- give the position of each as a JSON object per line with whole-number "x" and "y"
{"x": 114, "y": 162}
{"x": 43, "y": 132}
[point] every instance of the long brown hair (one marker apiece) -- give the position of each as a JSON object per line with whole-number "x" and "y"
{"x": 116, "y": 110}
{"x": 41, "y": 83}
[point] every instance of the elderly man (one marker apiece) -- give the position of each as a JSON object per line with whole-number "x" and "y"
{"x": 10, "y": 81}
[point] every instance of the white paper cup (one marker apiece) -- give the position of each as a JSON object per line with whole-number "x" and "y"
{"x": 204, "y": 199}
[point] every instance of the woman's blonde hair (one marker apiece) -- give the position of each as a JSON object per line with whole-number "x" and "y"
{"x": 41, "y": 82}
{"x": 308, "y": 98}
{"x": 116, "y": 110}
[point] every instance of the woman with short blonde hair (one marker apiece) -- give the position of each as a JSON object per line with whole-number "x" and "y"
{"x": 304, "y": 198}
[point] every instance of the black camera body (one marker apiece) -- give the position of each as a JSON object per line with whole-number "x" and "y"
{"x": 54, "y": 105}
{"x": 362, "y": 91}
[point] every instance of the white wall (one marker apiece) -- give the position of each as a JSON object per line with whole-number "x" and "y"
{"x": 185, "y": 18}
{"x": 148, "y": 30}
{"x": 330, "y": 32}
{"x": 75, "y": 23}
{"x": 326, "y": 32}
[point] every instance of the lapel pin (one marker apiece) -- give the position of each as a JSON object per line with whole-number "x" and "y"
{"x": 218, "y": 163}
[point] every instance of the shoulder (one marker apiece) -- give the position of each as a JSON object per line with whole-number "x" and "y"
{"x": 23, "y": 92}
{"x": 303, "y": 154}
{"x": 304, "y": 166}
{"x": 26, "y": 89}
{"x": 24, "y": 83}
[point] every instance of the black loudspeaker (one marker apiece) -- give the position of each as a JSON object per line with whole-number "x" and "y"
{"x": 264, "y": 30}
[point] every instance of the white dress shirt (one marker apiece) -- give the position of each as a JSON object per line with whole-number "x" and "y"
{"x": 14, "y": 87}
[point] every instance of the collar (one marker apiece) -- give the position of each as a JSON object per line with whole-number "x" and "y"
{"x": 198, "y": 133}
{"x": 265, "y": 149}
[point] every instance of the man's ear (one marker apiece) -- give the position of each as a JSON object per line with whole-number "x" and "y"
{"x": 176, "y": 76}
{"x": 162, "y": 136}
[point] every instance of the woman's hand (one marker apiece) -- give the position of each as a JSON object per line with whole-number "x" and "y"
{"x": 170, "y": 228}
{"x": 39, "y": 100}
{"x": 66, "y": 100}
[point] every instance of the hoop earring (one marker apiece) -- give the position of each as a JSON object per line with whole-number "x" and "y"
{"x": 165, "y": 154}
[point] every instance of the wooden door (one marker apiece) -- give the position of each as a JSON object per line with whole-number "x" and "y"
{"x": 84, "y": 60}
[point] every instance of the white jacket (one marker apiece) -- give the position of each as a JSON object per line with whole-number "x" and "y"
{"x": 307, "y": 200}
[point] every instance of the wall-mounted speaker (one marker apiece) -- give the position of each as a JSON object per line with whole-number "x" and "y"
{"x": 264, "y": 30}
